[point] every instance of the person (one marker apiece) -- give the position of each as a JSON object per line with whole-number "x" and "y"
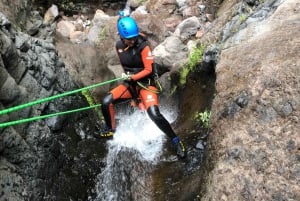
{"x": 136, "y": 59}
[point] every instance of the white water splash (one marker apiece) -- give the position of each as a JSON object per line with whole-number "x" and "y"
{"x": 138, "y": 132}
{"x": 137, "y": 146}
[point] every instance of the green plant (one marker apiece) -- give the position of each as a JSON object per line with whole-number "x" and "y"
{"x": 89, "y": 98}
{"x": 203, "y": 117}
{"x": 243, "y": 18}
{"x": 195, "y": 58}
{"x": 183, "y": 74}
{"x": 66, "y": 4}
{"x": 173, "y": 90}
{"x": 103, "y": 34}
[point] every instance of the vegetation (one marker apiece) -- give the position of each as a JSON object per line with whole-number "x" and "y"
{"x": 89, "y": 98}
{"x": 195, "y": 58}
{"x": 203, "y": 117}
{"x": 103, "y": 34}
{"x": 66, "y": 5}
{"x": 243, "y": 17}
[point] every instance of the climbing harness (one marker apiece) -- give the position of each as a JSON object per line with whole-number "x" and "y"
{"x": 157, "y": 84}
{"x": 47, "y": 99}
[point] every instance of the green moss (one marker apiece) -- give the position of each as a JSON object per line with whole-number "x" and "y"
{"x": 203, "y": 117}
{"x": 103, "y": 34}
{"x": 173, "y": 90}
{"x": 243, "y": 18}
{"x": 89, "y": 98}
{"x": 183, "y": 74}
{"x": 195, "y": 58}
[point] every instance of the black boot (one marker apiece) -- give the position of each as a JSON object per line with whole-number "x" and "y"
{"x": 181, "y": 152}
{"x": 106, "y": 133}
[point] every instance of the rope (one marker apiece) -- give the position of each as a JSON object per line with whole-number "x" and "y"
{"x": 11, "y": 123}
{"x": 19, "y": 107}
{"x": 157, "y": 83}
{"x": 84, "y": 91}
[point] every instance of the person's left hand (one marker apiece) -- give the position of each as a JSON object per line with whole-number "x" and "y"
{"x": 126, "y": 76}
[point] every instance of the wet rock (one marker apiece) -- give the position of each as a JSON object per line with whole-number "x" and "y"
{"x": 252, "y": 2}
{"x": 10, "y": 57}
{"x": 3, "y": 73}
{"x": 291, "y": 145}
{"x": 259, "y": 121}
{"x": 172, "y": 22}
{"x": 169, "y": 51}
{"x": 210, "y": 58}
{"x": 11, "y": 183}
{"x": 34, "y": 23}
{"x": 65, "y": 28}
{"x": 51, "y": 14}
{"x": 243, "y": 99}
{"x": 9, "y": 90}
{"x": 210, "y": 17}
{"x": 22, "y": 44}
{"x": 284, "y": 109}
{"x": 259, "y": 160}
{"x": 152, "y": 26}
{"x": 230, "y": 110}
{"x": 200, "y": 145}
{"x": 30, "y": 70}
{"x": 133, "y": 3}
{"x": 267, "y": 114}
{"x": 15, "y": 146}
{"x": 190, "y": 11}
{"x": 100, "y": 21}
{"x": 16, "y": 11}
{"x": 4, "y": 21}
{"x": 187, "y": 28}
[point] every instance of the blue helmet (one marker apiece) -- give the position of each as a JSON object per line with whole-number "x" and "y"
{"x": 127, "y": 27}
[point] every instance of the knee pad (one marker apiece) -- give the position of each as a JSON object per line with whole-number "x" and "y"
{"x": 154, "y": 113}
{"x": 160, "y": 121}
{"x": 108, "y": 99}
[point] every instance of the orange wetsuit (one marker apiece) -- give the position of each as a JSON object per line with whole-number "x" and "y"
{"x": 137, "y": 61}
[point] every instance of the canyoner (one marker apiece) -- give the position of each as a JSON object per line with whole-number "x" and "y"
{"x": 134, "y": 103}
{"x": 137, "y": 62}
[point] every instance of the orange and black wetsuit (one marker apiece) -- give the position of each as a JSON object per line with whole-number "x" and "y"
{"x": 136, "y": 60}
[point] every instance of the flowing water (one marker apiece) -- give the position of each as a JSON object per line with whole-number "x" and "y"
{"x": 132, "y": 154}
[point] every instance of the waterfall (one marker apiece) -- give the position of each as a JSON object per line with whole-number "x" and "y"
{"x": 132, "y": 153}
{"x": 127, "y": 9}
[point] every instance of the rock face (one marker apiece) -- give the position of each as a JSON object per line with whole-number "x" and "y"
{"x": 33, "y": 156}
{"x": 254, "y": 142}
{"x": 16, "y": 11}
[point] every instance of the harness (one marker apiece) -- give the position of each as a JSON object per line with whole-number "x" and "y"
{"x": 130, "y": 59}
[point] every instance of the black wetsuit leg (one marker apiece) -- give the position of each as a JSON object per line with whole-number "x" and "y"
{"x": 107, "y": 100}
{"x": 160, "y": 121}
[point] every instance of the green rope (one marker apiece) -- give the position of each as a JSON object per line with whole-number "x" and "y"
{"x": 11, "y": 123}
{"x": 158, "y": 85}
{"x": 19, "y": 107}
